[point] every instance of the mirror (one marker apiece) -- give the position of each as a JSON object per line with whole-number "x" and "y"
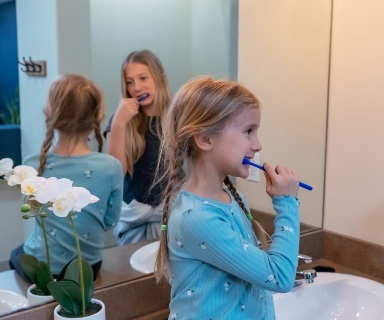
{"x": 279, "y": 58}
{"x": 201, "y": 31}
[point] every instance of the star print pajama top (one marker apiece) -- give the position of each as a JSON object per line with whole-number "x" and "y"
{"x": 217, "y": 269}
{"x": 102, "y": 175}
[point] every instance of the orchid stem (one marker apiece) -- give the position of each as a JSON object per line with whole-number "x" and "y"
{"x": 46, "y": 243}
{"x": 80, "y": 264}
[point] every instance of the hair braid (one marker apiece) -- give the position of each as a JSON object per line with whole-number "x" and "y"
{"x": 98, "y": 137}
{"x": 259, "y": 230}
{"x": 174, "y": 178}
{"x": 45, "y": 148}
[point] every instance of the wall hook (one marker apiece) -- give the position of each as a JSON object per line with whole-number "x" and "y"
{"x": 33, "y": 68}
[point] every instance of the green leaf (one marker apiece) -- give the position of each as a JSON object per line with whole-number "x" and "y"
{"x": 66, "y": 290}
{"x": 44, "y": 276}
{"x": 37, "y": 271}
{"x": 72, "y": 272}
{"x": 88, "y": 281}
{"x": 30, "y": 266}
{"x": 67, "y": 294}
{"x": 62, "y": 272}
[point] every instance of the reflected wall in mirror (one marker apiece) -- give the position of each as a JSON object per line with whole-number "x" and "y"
{"x": 191, "y": 37}
{"x": 284, "y": 52}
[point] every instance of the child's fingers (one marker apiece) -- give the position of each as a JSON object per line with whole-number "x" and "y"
{"x": 281, "y": 181}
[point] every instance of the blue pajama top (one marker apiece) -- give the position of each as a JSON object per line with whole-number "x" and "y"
{"x": 217, "y": 269}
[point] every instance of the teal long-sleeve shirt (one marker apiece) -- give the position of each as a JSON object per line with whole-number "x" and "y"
{"x": 102, "y": 175}
{"x": 217, "y": 269}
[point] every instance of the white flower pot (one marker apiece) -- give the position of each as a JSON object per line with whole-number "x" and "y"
{"x": 97, "y": 316}
{"x": 34, "y": 299}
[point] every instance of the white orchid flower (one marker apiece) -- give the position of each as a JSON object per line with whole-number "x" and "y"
{"x": 19, "y": 174}
{"x": 61, "y": 207}
{"x": 64, "y": 186}
{"x": 75, "y": 199}
{"x": 81, "y": 197}
{"x": 6, "y": 165}
{"x": 53, "y": 189}
{"x": 31, "y": 186}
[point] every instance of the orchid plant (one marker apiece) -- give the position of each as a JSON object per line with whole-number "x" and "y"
{"x": 73, "y": 289}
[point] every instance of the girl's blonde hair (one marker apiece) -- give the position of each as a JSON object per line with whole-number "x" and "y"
{"x": 201, "y": 106}
{"x": 135, "y": 130}
{"x": 75, "y": 105}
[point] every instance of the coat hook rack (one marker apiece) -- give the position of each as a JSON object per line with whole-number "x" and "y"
{"x": 33, "y": 68}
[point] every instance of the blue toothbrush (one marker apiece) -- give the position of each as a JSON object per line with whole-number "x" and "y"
{"x": 301, "y": 184}
{"x": 143, "y": 97}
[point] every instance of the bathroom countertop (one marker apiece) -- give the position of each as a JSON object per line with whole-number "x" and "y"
{"x": 129, "y": 294}
{"x": 126, "y": 293}
{"x": 116, "y": 268}
{"x": 338, "y": 268}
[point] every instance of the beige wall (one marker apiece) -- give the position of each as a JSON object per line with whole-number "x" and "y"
{"x": 354, "y": 192}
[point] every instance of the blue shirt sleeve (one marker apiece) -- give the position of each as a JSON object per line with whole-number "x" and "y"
{"x": 115, "y": 199}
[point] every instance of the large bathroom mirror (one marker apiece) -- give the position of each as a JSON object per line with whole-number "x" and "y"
{"x": 280, "y": 50}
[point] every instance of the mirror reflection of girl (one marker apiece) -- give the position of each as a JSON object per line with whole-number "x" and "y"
{"x": 75, "y": 109}
{"x": 133, "y": 138}
{"x": 208, "y": 249}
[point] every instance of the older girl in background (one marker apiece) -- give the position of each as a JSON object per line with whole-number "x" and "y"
{"x": 133, "y": 137}
{"x": 208, "y": 248}
{"x": 75, "y": 109}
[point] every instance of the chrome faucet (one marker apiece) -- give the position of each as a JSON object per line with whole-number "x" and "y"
{"x": 308, "y": 275}
{"x": 305, "y": 258}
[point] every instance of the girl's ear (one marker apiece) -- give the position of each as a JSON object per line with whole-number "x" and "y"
{"x": 203, "y": 142}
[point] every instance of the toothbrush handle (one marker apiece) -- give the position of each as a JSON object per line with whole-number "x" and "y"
{"x": 301, "y": 184}
{"x": 305, "y": 186}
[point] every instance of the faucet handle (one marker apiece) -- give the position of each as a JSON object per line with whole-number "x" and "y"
{"x": 307, "y": 259}
{"x": 307, "y": 275}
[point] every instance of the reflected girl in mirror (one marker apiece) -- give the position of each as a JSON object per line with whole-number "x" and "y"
{"x": 133, "y": 137}
{"x": 74, "y": 111}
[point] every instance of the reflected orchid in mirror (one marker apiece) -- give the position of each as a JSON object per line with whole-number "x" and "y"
{"x": 59, "y": 193}
{"x": 73, "y": 289}
{"x": 6, "y": 165}
{"x": 18, "y": 174}
{"x": 15, "y": 175}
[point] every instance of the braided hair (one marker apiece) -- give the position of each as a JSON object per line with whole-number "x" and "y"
{"x": 75, "y": 105}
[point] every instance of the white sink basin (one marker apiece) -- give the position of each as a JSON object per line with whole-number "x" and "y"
{"x": 11, "y": 301}
{"x": 333, "y": 296}
{"x": 143, "y": 260}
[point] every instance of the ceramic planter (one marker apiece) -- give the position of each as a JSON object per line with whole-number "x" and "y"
{"x": 97, "y": 316}
{"x": 34, "y": 299}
